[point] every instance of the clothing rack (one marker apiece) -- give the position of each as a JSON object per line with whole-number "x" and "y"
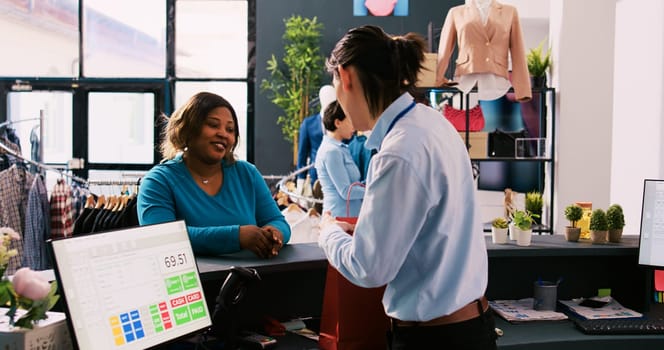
{"x": 281, "y": 185}
{"x": 41, "y": 165}
{"x": 113, "y": 182}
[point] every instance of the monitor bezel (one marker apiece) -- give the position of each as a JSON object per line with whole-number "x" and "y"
{"x": 643, "y": 203}
{"x": 63, "y": 297}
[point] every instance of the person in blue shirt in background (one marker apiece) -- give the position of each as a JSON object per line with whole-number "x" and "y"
{"x": 225, "y": 203}
{"x": 310, "y": 137}
{"x": 336, "y": 169}
{"x": 419, "y": 230}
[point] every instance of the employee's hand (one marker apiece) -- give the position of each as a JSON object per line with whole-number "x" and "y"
{"x": 257, "y": 240}
{"x": 276, "y": 238}
{"x": 328, "y": 220}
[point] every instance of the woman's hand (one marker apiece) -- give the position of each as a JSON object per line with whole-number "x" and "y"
{"x": 276, "y": 238}
{"x": 328, "y": 220}
{"x": 258, "y": 240}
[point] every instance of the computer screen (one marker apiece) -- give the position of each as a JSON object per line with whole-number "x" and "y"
{"x": 651, "y": 242}
{"x": 130, "y": 289}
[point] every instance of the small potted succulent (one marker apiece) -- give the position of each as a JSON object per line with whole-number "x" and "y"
{"x": 539, "y": 64}
{"x": 616, "y": 221}
{"x": 523, "y": 223}
{"x": 499, "y": 230}
{"x": 599, "y": 226}
{"x": 573, "y": 213}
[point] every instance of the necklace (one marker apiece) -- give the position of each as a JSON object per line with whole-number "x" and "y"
{"x": 205, "y": 181}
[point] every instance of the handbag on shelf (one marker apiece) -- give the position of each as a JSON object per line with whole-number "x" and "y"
{"x": 503, "y": 143}
{"x": 353, "y": 318}
{"x": 458, "y": 118}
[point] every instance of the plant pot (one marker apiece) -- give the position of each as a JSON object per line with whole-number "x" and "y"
{"x": 572, "y": 233}
{"x": 512, "y": 231}
{"x": 538, "y": 82}
{"x": 523, "y": 238}
{"x": 615, "y": 235}
{"x": 498, "y": 235}
{"x": 599, "y": 237}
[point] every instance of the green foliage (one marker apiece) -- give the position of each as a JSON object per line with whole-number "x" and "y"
{"x": 615, "y": 217}
{"x": 499, "y": 222}
{"x": 36, "y": 308}
{"x": 598, "y": 220}
{"x": 534, "y": 202}
{"x": 538, "y": 63}
{"x": 294, "y": 83}
{"x": 573, "y": 213}
{"x": 523, "y": 219}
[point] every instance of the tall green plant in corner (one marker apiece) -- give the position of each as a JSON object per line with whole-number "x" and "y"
{"x": 294, "y": 83}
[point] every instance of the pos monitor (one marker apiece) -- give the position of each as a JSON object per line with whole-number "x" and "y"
{"x": 134, "y": 288}
{"x": 651, "y": 241}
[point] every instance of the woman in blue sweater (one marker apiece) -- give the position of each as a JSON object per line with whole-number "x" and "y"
{"x": 225, "y": 202}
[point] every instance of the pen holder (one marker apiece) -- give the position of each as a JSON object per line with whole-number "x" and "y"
{"x": 545, "y": 295}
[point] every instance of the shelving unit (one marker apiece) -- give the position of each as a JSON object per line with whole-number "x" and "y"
{"x": 543, "y": 100}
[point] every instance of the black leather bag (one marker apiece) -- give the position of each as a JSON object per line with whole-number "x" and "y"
{"x": 502, "y": 143}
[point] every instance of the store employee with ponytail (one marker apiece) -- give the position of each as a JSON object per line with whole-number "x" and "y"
{"x": 418, "y": 230}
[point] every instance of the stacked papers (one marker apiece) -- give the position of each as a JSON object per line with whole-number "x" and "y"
{"x": 522, "y": 311}
{"x": 612, "y": 309}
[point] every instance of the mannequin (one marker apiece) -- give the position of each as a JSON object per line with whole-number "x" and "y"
{"x": 310, "y": 137}
{"x": 486, "y": 32}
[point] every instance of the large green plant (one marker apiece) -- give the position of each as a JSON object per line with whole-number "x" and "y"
{"x": 295, "y": 82}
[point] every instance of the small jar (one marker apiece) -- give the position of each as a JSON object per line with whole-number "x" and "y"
{"x": 584, "y": 223}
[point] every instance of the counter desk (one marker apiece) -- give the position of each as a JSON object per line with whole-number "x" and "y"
{"x": 292, "y": 285}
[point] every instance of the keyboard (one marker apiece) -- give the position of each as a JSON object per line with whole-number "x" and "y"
{"x": 621, "y": 326}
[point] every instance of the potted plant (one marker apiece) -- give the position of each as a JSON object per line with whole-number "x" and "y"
{"x": 293, "y": 86}
{"x": 499, "y": 230}
{"x": 534, "y": 204}
{"x": 599, "y": 226}
{"x": 573, "y": 213}
{"x": 616, "y": 221}
{"x": 538, "y": 64}
{"x": 523, "y": 222}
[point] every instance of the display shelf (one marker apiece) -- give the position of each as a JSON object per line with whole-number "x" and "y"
{"x": 534, "y": 116}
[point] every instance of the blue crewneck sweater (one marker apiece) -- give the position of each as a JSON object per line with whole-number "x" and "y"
{"x": 168, "y": 193}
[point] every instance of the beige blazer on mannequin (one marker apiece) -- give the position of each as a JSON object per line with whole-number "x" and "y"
{"x": 485, "y": 49}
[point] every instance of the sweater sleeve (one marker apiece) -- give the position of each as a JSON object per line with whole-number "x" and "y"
{"x": 267, "y": 211}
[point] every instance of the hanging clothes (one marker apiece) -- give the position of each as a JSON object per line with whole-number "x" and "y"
{"x": 62, "y": 222}
{"x": 37, "y": 228}
{"x": 15, "y": 184}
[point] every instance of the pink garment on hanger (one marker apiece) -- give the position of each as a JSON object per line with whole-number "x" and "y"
{"x": 380, "y": 7}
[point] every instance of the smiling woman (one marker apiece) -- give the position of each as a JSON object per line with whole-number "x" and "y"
{"x": 225, "y": 202}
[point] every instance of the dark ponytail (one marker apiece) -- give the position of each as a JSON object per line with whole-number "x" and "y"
{"x": 387, "y": 66}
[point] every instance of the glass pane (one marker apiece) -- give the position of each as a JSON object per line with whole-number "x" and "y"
{"x": 24, "y": 109}
{"x": 234, "y": 92}
{"x": 211, "y": 39}
{"x": 39, "y": 38}
{"x": 121, "y": 128}
{"x": 124, "y": 38}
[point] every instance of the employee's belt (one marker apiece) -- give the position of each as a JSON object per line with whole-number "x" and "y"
{"x": 470, "y": 311}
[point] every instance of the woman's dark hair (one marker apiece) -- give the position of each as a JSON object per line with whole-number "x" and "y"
{"x": 333, "y": 112}
{"x": 187, "y": 121}
{"x": 387, "y": 66}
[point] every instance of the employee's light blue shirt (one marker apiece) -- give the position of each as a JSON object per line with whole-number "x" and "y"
{"x": 419, "y": 228}
{"x": 337, "y": 172}
{"x": 168, "y": 193}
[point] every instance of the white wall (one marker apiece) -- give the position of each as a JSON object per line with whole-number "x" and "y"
{"x": 638, "y": 129}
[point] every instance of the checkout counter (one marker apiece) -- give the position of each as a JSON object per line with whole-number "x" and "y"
{"x": 292, "y": 285}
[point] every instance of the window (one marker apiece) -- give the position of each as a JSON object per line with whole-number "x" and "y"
{"x": 51, "y": 24}
{"x": 124, "y": 38}
{"x": 121, "y": 128}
